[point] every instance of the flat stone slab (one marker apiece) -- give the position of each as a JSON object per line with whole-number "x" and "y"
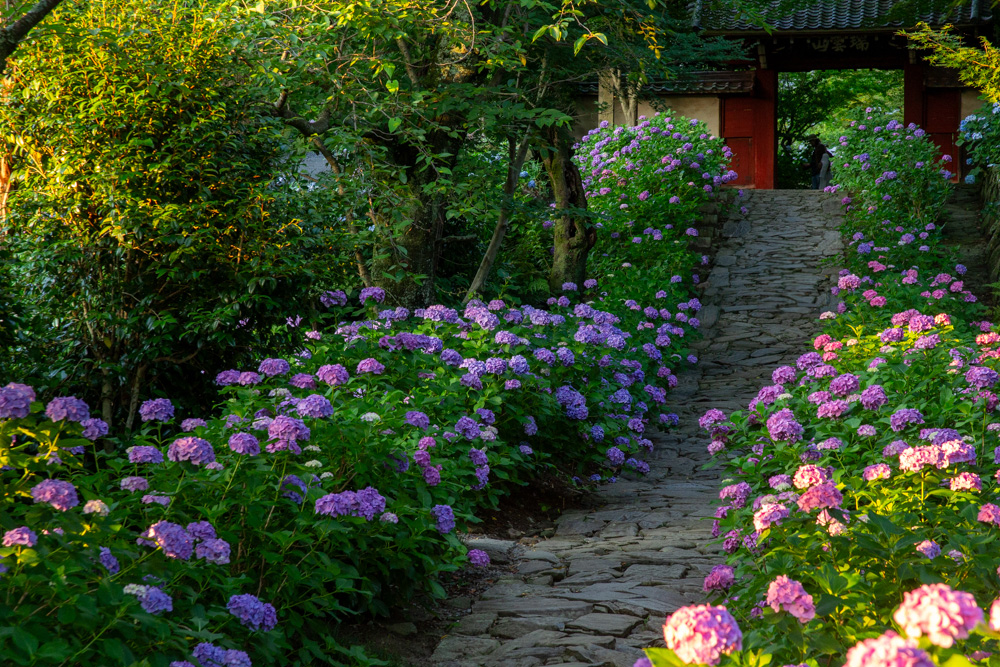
{"x": 616, "y": 625}
{"x": 534, "y": 606}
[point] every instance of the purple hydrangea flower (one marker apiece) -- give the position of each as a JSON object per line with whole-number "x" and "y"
{"x": 333, "y": 375}
{"x": 417, "y": 418}
{"x": 134, "y": 484}
{"x": 192, "y": 423}
{"x": 303, "y": 381}
{"x": 370, "y": 366}
{"x": 315, "y": 406}
{"x": 213, "y": 550}
{"x": 253, "y": 613}
{"x": 21, "y": 537}
{"x": 144, "y": 454}
{"x": 94, "y": 428}
{"x": 478, "y": 557}
{"x": 445, "y": 517}
{"x": 67, "y": 407}
{"x": 157, "y": 409}
{"x": 196, "y": 450}
{"x": 16, "y": 400}
{"x": 273, "y": 367}
{"x": 151, "y": 598}
{"x": 249, "y": 378}
{"x": 175, "y": 541}
{"x": 61, "y": 495}
{"x": 226, "y": 378}
{"x": 108, "y": 560}
{"x": 376, "y": 293}
{"x": 244, "y": 443}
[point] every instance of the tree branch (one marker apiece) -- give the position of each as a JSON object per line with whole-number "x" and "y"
{"x": 308, "y": 128}
{"x": 12, "y": 36}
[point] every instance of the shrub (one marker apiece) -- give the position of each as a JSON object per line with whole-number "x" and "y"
{"x": 858, "y": 485}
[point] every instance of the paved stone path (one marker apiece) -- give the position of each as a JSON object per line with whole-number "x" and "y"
{"x": 598, "y": 591}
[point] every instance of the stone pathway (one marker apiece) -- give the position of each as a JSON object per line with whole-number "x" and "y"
{"x": 598, "y": 591}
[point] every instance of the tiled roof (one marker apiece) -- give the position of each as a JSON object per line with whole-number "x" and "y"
{"x": 694, "y": 83}
{"x": 835, "y": 15}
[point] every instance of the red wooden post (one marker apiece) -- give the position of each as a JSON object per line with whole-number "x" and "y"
{"x": 913, "y": 93}
{"x": 766, "y": 128}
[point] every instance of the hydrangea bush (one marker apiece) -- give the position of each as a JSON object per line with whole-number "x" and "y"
{"x": 333, "y": 482}
{"x": 859, "y": 509}
{"x": 649, "y": 183}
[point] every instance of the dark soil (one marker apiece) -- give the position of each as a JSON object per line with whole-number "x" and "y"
{"x": 409, "y": 637}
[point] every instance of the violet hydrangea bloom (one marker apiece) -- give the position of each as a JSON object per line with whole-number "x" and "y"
{"x": 15, "y": 401}
{"x": 20, "y": 537}
{"x": 210, "y": 655}
{"x": 61, "y": 495}
{"x": 144, "y": 454}
{"x": 253, "y": 613}
{"x": 478, "y": 557}
{"x": 175, "y": 541}
{"x": 108, "y": 560}
{"x": 929, "y": 549}
{"x": 192, "y": 423}
{"x": 134, "y": 484}
{"x": 249, "y": 378}
{"x": 226, "y": 378}
{"x": 769, "y": 515}
{"x": 196, "y": 450}
{"x": 151, "y": 598}
{"x": 157, "y": 409}
{"x": 244, "y": 443}
{"x": 445, "y": 518}
{"x": 315, "y": 406}
{"x": 303, "y": 381}
{"x": 782, "y": 427}
{"x": 67, "y": 407}
{"x": 375, "y": 293}
{"x": 333, "y": 375}
{"x": 720, "y": 578}
{"x": 702, "y": 634}
{"x": 789, "y": 595}
{"x": 370, "y": 366}
{"x": 273, "y": 367}
{"x": 938, "y": 612}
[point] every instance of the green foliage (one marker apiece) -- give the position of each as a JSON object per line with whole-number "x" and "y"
{"x": 148, "y": 223}
{"x": 978, "y": 67}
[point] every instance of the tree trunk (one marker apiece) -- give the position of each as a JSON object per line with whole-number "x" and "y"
{"x": 516, "y": 157}
{"x": 573, "y": 237}
{"x": 12, "y": 35}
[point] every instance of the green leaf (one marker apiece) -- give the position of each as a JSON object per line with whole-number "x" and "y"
{"x": 541, "y": 31}
{"x": 394, "y": 123}
{"x": 392, "y": 86}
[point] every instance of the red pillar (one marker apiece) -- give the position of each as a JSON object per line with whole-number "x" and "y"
{"x": 765, "y": 129}
{"x": 913, "y": 93}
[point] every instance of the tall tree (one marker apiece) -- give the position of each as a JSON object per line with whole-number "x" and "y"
{"x": 16, "y": 23}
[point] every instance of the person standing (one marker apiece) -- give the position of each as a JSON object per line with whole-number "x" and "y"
{"x": 819, "y": 163}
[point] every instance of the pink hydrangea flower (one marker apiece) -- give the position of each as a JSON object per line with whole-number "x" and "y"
{"x": 820, "y": 496}
{"x": 809, "y": 475}
{"x": 789, "y": 595}
{"x": 938, "y": 612}
{"x": 769, "y": 515}
{"x": 877, "y": 471}
{"x": 720, "y": 578}
{"x": 994, "y": 622}
{"x": 989, "y": 513}
{"x": 889, "y": 650}
{"x": 966, "y": 481}
{"x": 702, "y": 634}
{"x": 913, "y": 459}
